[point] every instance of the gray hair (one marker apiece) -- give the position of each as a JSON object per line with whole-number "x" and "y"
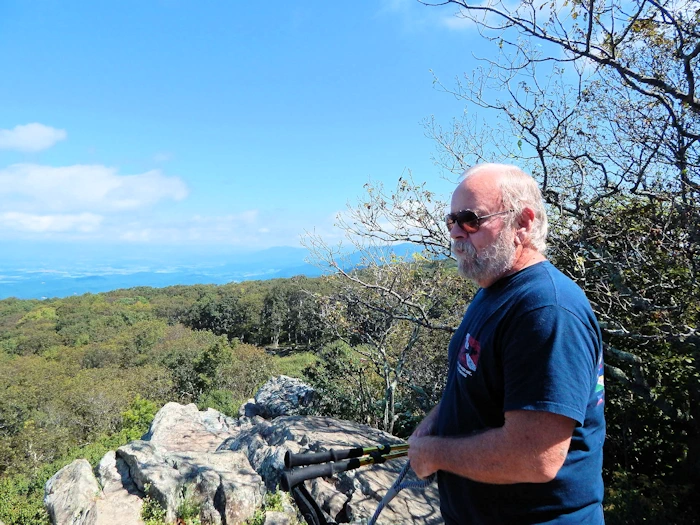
{"x": 519, "y": 191}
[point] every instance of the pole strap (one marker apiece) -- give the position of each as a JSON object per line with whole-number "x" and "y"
{"x": 397, "y": 487}
{"x": 308, "y": 508}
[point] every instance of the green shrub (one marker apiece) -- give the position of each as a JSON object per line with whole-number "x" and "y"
{"x": 294, "y": 364}
{"x": 138, "y": 417}
{"x": 273, "y": 502}
{"x": 636, "y": 498}
{"x": 346, "y": 384}
{"x": 21, "y": 503}
{"x": 189, "y": 510}
{"x": 222, "y": 400}
{"x": 152, "y": 511}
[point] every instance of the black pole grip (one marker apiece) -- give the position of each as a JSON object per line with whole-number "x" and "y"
{"x": 294, "y": 477}
{"x": 314, "y": 458}
{"x": 309, "y": 458}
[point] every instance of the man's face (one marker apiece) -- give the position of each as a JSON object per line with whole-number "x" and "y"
{"x": 487, "y": 264}
{"x": 489, "y": 253}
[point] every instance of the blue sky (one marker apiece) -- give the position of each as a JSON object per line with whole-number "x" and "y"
{"x": 195, "y": 125}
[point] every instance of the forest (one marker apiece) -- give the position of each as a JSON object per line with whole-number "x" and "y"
{"x": 83, "y": 375}
{"x": 599, "y": 102}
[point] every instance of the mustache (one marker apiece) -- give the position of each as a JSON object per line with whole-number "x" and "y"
{"x": 462, "y": 246}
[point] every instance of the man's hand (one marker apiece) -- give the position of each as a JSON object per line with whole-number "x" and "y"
{"x": 419, "y": 454}
{"x": 425, "y": 428}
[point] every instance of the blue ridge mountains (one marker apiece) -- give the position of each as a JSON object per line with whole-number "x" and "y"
{"x": 38, "y": 273}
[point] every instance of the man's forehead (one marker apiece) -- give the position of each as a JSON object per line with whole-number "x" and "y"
{"x": 477, "y": 191}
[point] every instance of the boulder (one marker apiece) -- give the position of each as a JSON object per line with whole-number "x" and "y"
{"x": 121, "y": 501}
{"x": 278, "y": 518}
{"x": 349, "y": 496}
{"x": 225, "y": 466}
{"x": 179, "y": 457}
{"x": 280, "y": 396}
{"x": 70, "y": 495}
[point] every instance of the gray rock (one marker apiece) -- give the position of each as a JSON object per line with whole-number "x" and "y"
{"x": 226, "y": 465}
{"x": 121, "y": 500}
{"x": 248, "y": 409}
{"x": 154, "y": 473}
{"x": 70, "y": 495}
{"x": 281, "y": 396}
{"x": 354, "y": 494}
{"x": 328, "y": 497}
{"x": 180, "y": 456}
{"x": 278, "y": 518}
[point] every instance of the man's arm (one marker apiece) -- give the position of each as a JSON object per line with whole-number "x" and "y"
{"x": 529, "y": 448}
{"x": 427, "y": 426}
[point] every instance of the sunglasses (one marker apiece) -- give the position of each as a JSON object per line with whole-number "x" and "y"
{"x": 468, "y": 220}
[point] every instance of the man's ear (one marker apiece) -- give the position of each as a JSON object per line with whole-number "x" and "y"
{"x": 525, "y": 222}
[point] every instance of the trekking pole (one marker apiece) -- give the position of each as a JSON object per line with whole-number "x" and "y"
{"x": 296, "y": 476}
{"x": 314, "y": 458}
{"x": 325, "y": 464}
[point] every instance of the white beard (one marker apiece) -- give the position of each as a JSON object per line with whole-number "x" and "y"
{"x": 488, "y": 265}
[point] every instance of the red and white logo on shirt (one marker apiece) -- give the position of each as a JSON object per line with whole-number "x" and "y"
{"x": 468, "y": 357}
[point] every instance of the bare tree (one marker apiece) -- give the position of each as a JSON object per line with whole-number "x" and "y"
{"x": 385, "y": 301}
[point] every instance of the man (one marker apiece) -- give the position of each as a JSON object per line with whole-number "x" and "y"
{"x": 518, "y": 434}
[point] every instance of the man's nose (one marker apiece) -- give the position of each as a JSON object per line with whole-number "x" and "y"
{"x": 457, "y": 232}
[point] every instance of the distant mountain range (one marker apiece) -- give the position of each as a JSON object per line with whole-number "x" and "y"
{"x": 37, "y": 278}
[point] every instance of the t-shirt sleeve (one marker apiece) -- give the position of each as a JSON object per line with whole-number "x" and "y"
{"x": 549, "y": 363}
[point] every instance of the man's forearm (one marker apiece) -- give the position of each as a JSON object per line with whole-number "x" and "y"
{"x": 530, "y": 449}
{"x": 482, "y": 457}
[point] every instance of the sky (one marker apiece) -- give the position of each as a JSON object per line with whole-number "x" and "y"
{"x": 164, "y": 126}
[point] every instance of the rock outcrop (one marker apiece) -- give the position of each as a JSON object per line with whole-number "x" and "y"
{"x": 280, "y": 396}
{"x": 225, "y": 466}
{"x": 71, "y": 494}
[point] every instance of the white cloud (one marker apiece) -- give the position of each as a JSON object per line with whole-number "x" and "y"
{"x": 461, "y": 19}
{"x": 82, "y": 188}
{"x": 30, "y": 137}
{"x": 244, "y": 229}
{"x": 413, "y": 16}
{"x": 25, "y": 222}
{"x": 458, "y": 23}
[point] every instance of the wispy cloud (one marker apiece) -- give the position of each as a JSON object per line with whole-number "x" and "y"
{"x": 30, "y": 137}
{"x": 245, "y": 229}
{"x": 83, "y": 188}
{"x": 239, "y": 228}
{"x": 414, "y": 16}
{"x": 94, "y": 202}
{"x": 26, "y": 222}
{"x": 457, "y": 22}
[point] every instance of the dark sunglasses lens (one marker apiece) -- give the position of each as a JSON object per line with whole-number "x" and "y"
{"x": 467, "y": 220}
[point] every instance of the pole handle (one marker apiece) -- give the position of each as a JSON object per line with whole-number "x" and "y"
{"x": 314, "y": 458}
{"x": 290, "y": 478}
{"x": 294, "y": 477}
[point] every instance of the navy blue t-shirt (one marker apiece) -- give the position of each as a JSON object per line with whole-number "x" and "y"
{"x": 528, "y": 342}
